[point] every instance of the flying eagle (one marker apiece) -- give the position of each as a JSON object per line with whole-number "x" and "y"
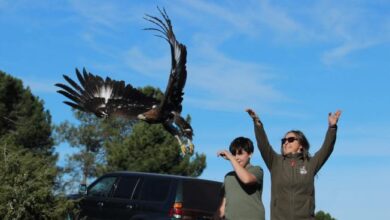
{"x": 106, "y": 98}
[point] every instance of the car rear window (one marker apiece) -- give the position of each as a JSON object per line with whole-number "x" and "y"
{"x": 154, "y": 189}
{"x": 202, "y": 195}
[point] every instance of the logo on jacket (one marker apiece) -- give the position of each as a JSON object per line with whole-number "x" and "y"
{"x": 303, "y": 170}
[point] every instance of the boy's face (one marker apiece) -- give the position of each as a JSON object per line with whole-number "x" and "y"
{"x": 242, "y": 157}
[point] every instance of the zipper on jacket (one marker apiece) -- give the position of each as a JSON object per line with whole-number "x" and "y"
{"x": 293, "y": 164}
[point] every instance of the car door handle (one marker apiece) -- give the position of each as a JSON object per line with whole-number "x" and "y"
{"x": 131, "y": 206}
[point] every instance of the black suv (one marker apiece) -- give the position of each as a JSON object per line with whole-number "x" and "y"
{"x": 136, "y": 195}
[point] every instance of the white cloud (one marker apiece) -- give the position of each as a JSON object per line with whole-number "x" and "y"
{"x": 277, "y": 18}
{"x": 352, "y": 27}
{"x": 229, "y": 16}
{"x": 136, "y": 59}
{"x": 230, "y": 85}
{"x": 338, "y": 53}
{"x": 214, "y": 81}
{"x": 349, "y": 26}
{"x": 341, "y": 28}
{"x": 355, "y": 140}
{"x": 104, "y": 14}
{"x": 317, "y": 23}
{"x": 251, "y": 18}
{"x": 39, "y": 85}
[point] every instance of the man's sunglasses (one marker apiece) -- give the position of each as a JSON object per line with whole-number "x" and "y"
{"x": 289, "y": 139}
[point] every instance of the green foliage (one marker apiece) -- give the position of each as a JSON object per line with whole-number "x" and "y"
{"x": 321, "y": 215}
{"x": 23, "y": 118}
{"x": 150, "y": 148}
{"x": 27, "y": 163}
{"x": 88, "y": 137}
{"x": 27, "y": 183}
{"x": 152, "y": 92}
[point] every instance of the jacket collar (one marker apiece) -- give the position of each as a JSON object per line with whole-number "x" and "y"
{"x": 293, "y": 156}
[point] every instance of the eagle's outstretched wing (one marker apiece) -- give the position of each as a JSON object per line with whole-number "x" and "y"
{"x": 171, "y": 105}
{"x": 106, "y": 97}
{"x": 174, "y": 92}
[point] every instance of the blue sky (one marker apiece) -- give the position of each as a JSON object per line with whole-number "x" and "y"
{"x": 291, "y": 62}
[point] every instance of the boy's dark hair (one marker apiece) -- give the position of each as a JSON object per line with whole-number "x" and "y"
{"x": 241, "y": 143}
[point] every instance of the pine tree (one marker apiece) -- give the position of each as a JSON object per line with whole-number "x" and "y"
{"x": 149, "y": 148}
{"x": 88, "y": 138}
{"x": 27, "y": 162}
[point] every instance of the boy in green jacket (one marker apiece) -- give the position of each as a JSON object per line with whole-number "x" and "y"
{"x": 242, "y": 188}
{"x": 293, "y": 171}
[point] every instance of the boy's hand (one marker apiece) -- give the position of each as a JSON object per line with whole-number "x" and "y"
{"x": 225, "y": 154}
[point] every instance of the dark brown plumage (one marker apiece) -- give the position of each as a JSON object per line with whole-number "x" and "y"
{"x": 106, "y": 98}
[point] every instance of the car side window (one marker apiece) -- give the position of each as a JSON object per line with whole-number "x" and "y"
{"x": 102, "y": 188}
{"x": 155, "y": 189}
{"x": 126, "y": 187}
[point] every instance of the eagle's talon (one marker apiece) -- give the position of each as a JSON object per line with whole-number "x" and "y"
{"x": 191, "y": 149}
{"x": 183, "y": 149}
